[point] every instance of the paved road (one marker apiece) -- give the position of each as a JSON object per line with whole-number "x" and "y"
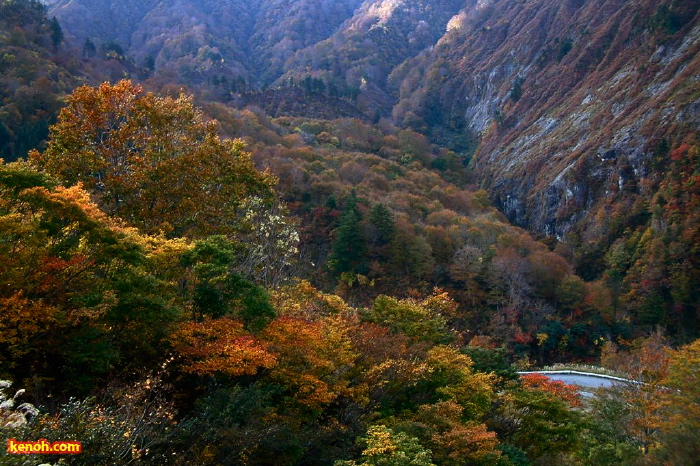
{"x": 583, "y": 380}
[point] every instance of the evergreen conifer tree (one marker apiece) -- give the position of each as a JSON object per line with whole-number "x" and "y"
{"x": 56, "y": 32}
{"x": 382, "y": 220}
{"x": 348, "y": 249}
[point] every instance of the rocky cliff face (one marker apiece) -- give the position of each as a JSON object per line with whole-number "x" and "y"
{"x": 571, "y": 99}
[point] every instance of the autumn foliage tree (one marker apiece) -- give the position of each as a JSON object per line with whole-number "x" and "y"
{"x": 454, "y": 438}
{"x": 220, "y": 346}
{"x": 646, "y": 363}
{"x": 155, "y": 162}
{"x": 75, "y": 293}
{"x": 566, "y": 392}
{"x": 313, "y": 358}
{"x": 680, "y": 408}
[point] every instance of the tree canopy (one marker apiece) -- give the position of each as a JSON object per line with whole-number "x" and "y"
{"x": 155, "y": 162}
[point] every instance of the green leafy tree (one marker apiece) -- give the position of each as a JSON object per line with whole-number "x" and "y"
{"x": 217, "y": 290}
{"x": 409, "y": 317}
{"x": 89, "y": 49}
{"x": 606, "y": 440}
{"x": 233, "y": 426}
{"x": 384, "y": 447}
{"x": 491, "y": 360}
{"x": 538, "y": 422}
{"x": 410, "y": 254}
{"x": 382, "y": 220}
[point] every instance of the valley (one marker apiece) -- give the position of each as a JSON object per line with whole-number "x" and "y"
{"x": 314, "y": 232}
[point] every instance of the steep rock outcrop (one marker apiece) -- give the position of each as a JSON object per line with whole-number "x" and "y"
{"x": 569, "y": 99}
{"x": 366, "y": 49}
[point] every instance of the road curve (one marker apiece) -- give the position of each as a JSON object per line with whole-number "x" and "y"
{"x": 582, "y": 379}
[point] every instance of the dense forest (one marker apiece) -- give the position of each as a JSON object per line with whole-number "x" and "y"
{"x": 203, "y": 267}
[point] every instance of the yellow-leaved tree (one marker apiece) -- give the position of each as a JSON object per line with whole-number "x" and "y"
{"x": 680, "y": 407}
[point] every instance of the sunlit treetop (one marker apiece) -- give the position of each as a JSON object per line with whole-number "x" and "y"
{"x": 152, "y": 161}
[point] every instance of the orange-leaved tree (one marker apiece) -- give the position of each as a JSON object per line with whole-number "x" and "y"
{"x": 453, "y": 439}
{"x": 313, "y": 359}
{"x": 221, "y": 346}
{"x": 562, "y": 390}
{"x": 153, "y": 161}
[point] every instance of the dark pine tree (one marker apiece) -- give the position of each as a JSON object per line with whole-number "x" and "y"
{"x": 89, "y": 49}
{"x": 348, "y": 251}
{"x": 56, "y": 32}
{"x": 382, "y": 221}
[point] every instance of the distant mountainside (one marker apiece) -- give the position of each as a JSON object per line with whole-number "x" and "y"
{"x": 558, "y": 104}
{"x": 571, "y": 100}
{"x": 198, "y": 40}
{"x": 367, "y": 48}
{"x": 35, "y": 74}
{"x": 349, "y": 44}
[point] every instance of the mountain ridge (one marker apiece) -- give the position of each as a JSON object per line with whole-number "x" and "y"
{"x": 542, "y": 110}
{"x": 542, "y": 98}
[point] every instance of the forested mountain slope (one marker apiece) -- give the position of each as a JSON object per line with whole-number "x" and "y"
{"x": 36, "y": 71}
{"x": 565, "y": 103}
{"x": 573, "y": 101}
{"x": 151, "y": 291}
{"x": 367, "y": 48}
{"x": 199, "y": 40}
{"x": 330, "y": 285}
{"x": 577, "y": 117}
